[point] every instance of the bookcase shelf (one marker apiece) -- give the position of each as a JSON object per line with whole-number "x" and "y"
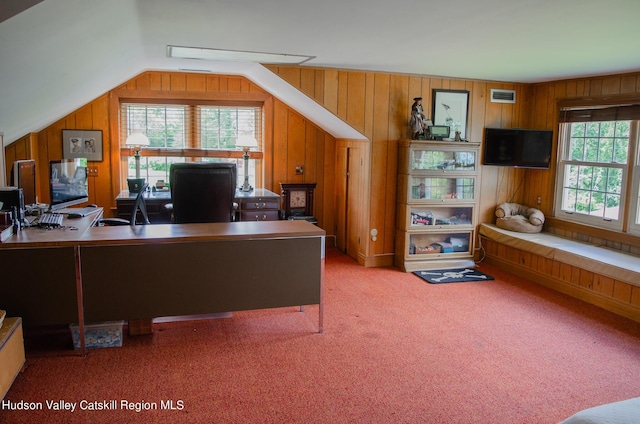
{"x": 436, "y": 205}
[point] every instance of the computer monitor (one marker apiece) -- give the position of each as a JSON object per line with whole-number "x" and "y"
{"x": 23, "y": 176}
{"x": 68, "y": 183}
{"x": 11, "y": 197}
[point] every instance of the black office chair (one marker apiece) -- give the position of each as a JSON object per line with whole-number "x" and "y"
{"x": 202, "y": 191}
{"x": 139, "y": 204}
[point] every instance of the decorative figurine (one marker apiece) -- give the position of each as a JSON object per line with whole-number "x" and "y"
{"x": 457, "y": 137}
{"x": 418, "y": 120}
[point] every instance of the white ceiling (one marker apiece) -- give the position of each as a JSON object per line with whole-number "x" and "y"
{"x": 60, "y": 54}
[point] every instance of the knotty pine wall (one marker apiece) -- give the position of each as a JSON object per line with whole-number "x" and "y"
{"x": 290, "y": 139}
{"x": 379, "y": 106}
{"x": 374, "y": 103}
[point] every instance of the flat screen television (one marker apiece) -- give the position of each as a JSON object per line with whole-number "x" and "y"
{"x": 517, "y": 148}
{"x": 23, "y": 175}
{"x": 68, "y": 183}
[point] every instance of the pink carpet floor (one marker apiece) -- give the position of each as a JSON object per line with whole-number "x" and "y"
{"x": 395, "y": 350}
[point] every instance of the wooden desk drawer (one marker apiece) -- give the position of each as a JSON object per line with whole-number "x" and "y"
{"x": 258, "y": 215}
{"x": 257, "y": 204}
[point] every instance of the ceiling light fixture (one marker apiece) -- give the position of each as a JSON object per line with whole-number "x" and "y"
{"x": 235, "y": 55}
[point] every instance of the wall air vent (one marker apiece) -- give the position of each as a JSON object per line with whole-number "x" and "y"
{"x": 503, "y": 96}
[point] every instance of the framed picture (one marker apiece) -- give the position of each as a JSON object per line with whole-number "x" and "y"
{"x": 82, "y": 144}
{"x": 451, "y": 108}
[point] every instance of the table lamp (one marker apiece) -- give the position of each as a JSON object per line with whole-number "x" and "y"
{"x": 246, "y": 142}
{"x": 136, "y": 141}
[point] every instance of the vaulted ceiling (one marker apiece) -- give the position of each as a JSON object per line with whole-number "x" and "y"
{"x": 60, "y": 54}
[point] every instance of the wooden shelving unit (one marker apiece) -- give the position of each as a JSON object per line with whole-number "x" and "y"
{"x": 436, "y": 205}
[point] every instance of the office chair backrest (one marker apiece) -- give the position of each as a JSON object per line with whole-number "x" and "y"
{"x": 202, "y": 191}
{"x": 139, "y": 204}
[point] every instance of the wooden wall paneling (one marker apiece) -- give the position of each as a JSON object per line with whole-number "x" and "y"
{"x": 635, "y": 296}
{"x": 268, "y": 164}
{"x": 355, "y": 100}
{"x": 103, "y": 192}
{"x": 295, "y": 145}
{"x": 327, "y": 145}
{"x": 196, "y": 82}
{"x": 342, "y": 158}
{"x": 42, "y": 167}
{"x": 399, "y": 107}
{"x": 611, "y": 85}
{"x": 318, "y": 93}
{"x": 143, "y": 82}
{"x": 280, "y": 158}
{"x": 290, "y": 74}
{"x": 234, "y": 85}
{"x": 493, "y": 186}
{"x": 628, "y": 84}
{"x": 356, "y": 237}
{"x": 155, "y": 81}
{"x": 343, "y": 93}
{"x": 310, "y": 161}
{"x": 308, "y": 82}
{"x": 369, "y": 105}
{"x": 9, "y": 158}
{"x": 118, "y": 164}
{"x": 330, "y": 95}
{"x": 178, "y": 81}
{"x": 425, "y": 92}
{"x": 586, "y": 279}
{"x": 314, "y": 165}
{"x": 622, "y": 291}
{"x": 477, "y": 111}
{"x": 379, "y": 163}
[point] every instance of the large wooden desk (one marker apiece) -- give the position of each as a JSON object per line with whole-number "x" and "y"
{"x": 116, "y": 273}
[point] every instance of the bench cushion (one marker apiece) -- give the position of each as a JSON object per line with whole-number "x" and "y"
{"x": 601, "y": 260}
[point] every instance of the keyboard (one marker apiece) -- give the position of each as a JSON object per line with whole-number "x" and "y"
{"x": 87, "y": 210}
{"x": 50, "y": 220}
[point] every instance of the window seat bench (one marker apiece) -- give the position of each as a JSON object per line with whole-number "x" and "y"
{"x": 602, "y": 276}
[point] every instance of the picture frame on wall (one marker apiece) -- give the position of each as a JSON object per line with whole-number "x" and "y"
{"x": 451, "y": 108}
{"x": 82, "y": 144}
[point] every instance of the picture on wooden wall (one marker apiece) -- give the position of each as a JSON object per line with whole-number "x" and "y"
{"x": 82, "y": 144}
{"x": 451, "y": 108}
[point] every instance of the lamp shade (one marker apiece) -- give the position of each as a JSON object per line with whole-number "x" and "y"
{"x": 246, "y": 141}
{"x": 137, "y": 139}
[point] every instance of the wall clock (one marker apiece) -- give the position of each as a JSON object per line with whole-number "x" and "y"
{"x": 297, "y": 199}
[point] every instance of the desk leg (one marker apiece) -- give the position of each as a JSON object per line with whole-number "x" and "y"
{"x": 321, "y": 305}
{"x": 78, "y": 265}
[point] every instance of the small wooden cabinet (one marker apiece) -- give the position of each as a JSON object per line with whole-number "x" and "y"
{"x": 12, "y": 357}
{"x": 257, "y": 205}
{"x": 436, "y": 208}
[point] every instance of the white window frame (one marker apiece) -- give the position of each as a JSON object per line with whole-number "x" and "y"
{"x": 628, "y": 218}
{"x": 192, "y": 149}
{"x": 634, "y": 193}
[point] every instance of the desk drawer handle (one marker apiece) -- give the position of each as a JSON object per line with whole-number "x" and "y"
{"x": 261, "y": 205}
{"x": 264, "y": 218}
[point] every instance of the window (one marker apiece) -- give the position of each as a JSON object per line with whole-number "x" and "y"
{"x": 597, "y": 179}
{"x": 190, "y": 132}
